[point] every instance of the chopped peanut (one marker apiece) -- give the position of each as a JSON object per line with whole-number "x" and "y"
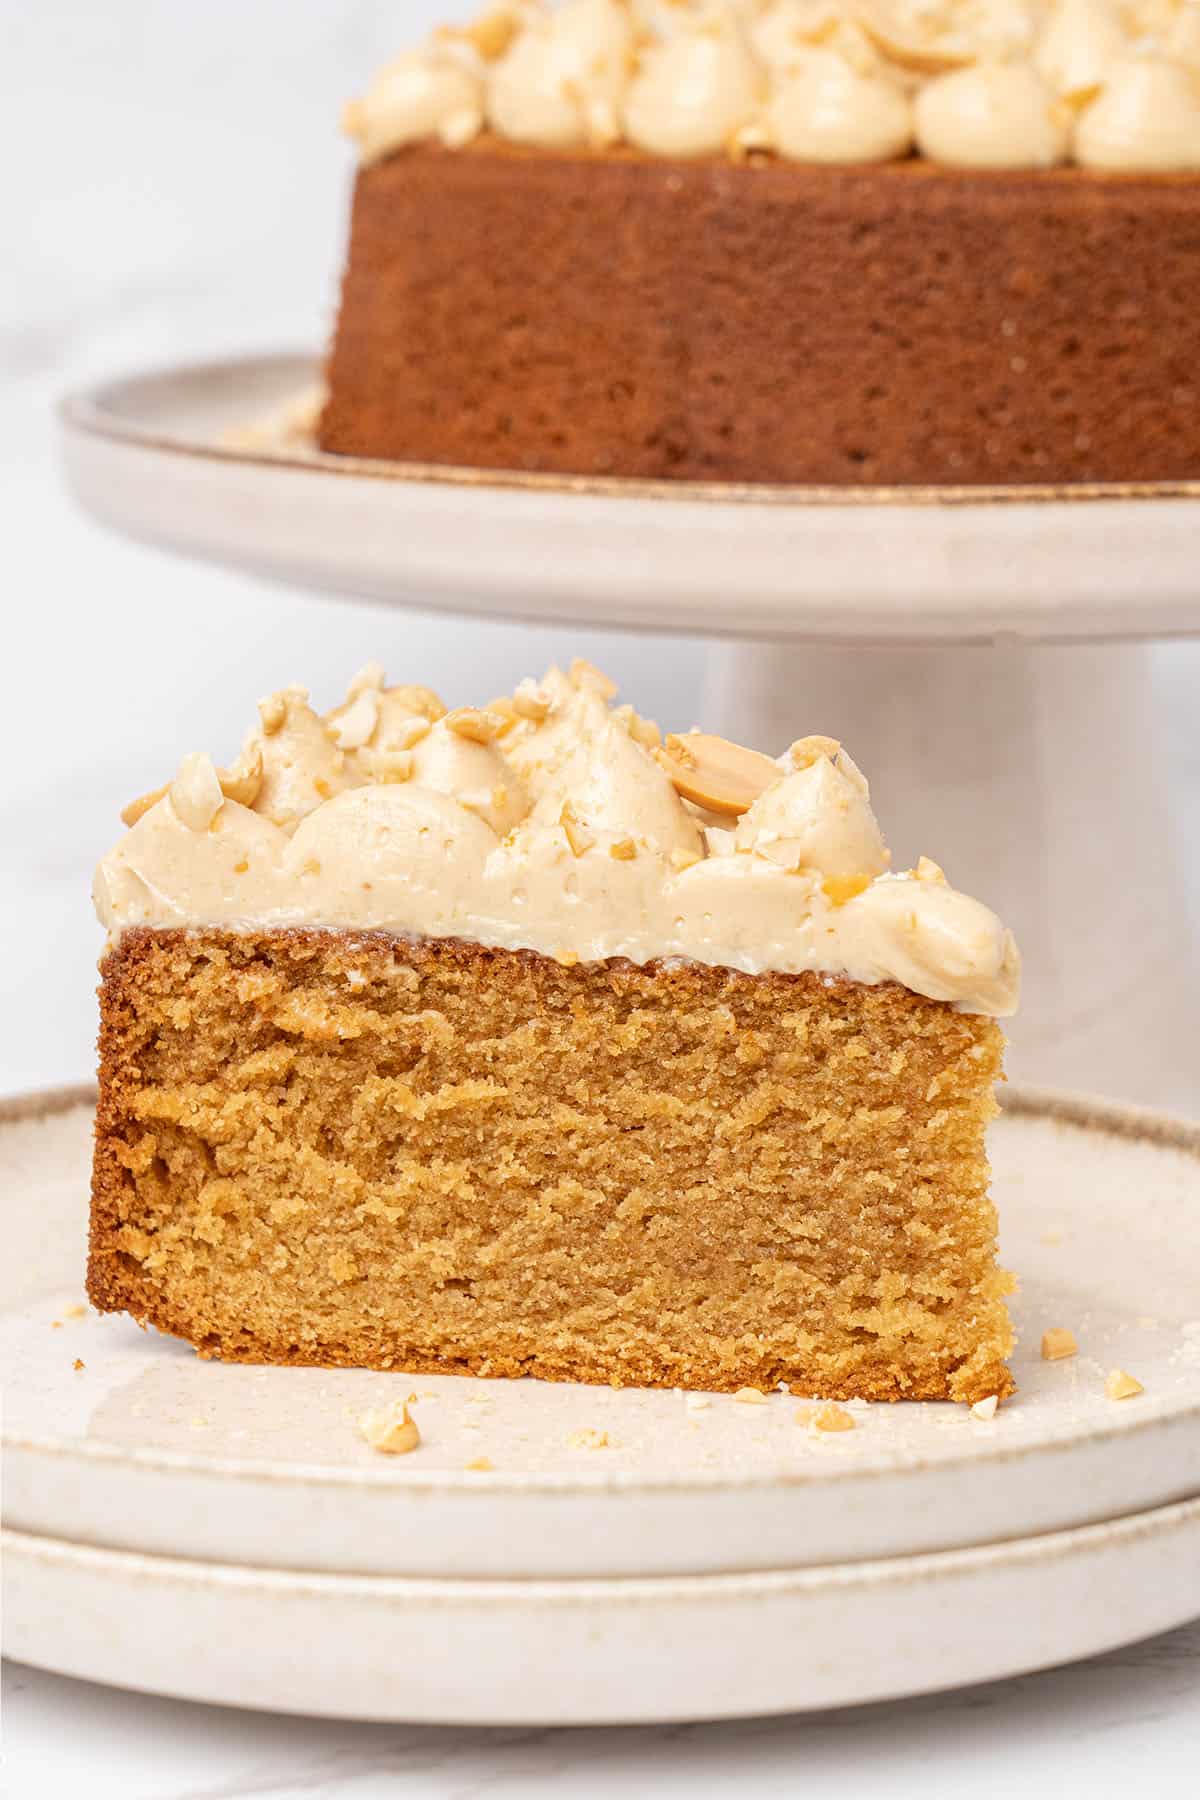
{"x": 1058, "y": 1343}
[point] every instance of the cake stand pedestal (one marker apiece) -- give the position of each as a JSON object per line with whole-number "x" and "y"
{"x": 1038, "y": 772}
{"x": 977, "y": 650}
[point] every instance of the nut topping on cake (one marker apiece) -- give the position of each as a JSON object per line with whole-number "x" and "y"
{"x": 196, "y": 792}
{"x": 715, "y": 774}
{"x": 390, "y": 814}
{"x": 471, "y": 722}
{"x": 1013, "y": 85}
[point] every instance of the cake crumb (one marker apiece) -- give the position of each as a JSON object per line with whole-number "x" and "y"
{"x": 1119, "y": 1385}
{"x": 481, "y": 1465}
{"x": 751, "y": 1396}
{"x": 832, "y": 1417}
{"x": 1058, "y": 1343}
{"x": 588, "y": 1439}
{"x": 986, "y": 1408}
{"x": 390, "y": 1429}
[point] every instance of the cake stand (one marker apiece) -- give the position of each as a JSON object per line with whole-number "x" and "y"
{"x": 982, "y": 652}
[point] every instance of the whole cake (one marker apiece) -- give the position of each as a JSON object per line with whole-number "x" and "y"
{"x": 810, "y": 241}
{"x": 515, "y": 1040}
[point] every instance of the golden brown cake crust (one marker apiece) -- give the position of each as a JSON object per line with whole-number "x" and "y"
{"x": 350, "y": 1148}
{"x": 621, "y": 314}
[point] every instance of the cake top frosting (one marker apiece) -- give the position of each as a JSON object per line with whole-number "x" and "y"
{"x": 1112, "y": 84}
{"x": 556, "y": 821}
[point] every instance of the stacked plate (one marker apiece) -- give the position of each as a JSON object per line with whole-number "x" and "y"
{"x": 560, "y": 1554}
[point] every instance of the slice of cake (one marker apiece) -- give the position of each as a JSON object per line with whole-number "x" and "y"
{"x": 832, "y": 242}
{"x": 515, "y": 1041}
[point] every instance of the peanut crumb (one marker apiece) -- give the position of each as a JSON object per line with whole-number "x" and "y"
{"x": 79, "y": 1363}
{"x": 1055, "y": 1235}
{"x": 390, "y": 1429}
{"x": 623, "y": 850}
{"x": 243, "y": 781}
{"x": 75, "y": 1312}
{"x": 417, "y": 699}
{"x": 832, "y": 1417}
{"x": 928, "y": 870}
{"x": 474, "y": 723}
{"x": 804, "y": 1415}
{"x": 840, "y": 888}
{"x": 986, "y": 1409}
{"x": 493, "y": 33}
{"x": 750, "y": 1396}
{"x": 808, "y": 750}
{"x": 390, "y": 765}
{"x": 588, "y": 1439}
{"x": 481, "y": 1464}
{"x": 696, "y": 1402}
{"x": 371, "y": 675}
{"x": 531, "y": 703}
{"x": 684, "y": 859}
{"x": 272, "y": 712}
{"x": 577, "y": 836}
{"x": 1119, "y": 1385}
{"x": 583, "y": 674}
{"x": 1058, "y": 1343}
{"x": 677, "y": 749}
{"x": 411, "y": 733}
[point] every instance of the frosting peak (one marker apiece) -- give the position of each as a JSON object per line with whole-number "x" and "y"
{"x": 550, "y": 820}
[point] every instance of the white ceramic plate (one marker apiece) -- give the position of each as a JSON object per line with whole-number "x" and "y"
{"x": 597, "y": 1652}
{"x": 147, "y": 1449}
{"x": 149, "y": 455}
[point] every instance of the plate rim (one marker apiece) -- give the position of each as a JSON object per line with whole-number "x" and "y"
{"x": 88, "y": 411}
{"x": 905, "y": 1570}
{"x": 1163, "y": 1131}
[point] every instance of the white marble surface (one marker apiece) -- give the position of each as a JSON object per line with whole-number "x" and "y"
{"x": 1124, "y": 1723}
{"x": 174, "y": 188}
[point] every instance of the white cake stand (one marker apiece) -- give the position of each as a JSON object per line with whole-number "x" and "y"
{"x": 917, "y": 625}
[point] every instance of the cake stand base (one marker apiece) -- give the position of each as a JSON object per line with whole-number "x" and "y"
{"x": 1039, "y": 766}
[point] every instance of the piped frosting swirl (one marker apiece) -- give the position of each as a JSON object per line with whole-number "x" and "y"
{"x": 978, "y": 83}
{"x": 551, "y": 821}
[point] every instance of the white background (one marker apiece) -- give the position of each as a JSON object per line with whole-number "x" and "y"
{"x": 173, "y": 185}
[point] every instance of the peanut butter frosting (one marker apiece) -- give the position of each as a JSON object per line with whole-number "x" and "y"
{"x": 996, "y": 84}
{"x": 555, "y": 821}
